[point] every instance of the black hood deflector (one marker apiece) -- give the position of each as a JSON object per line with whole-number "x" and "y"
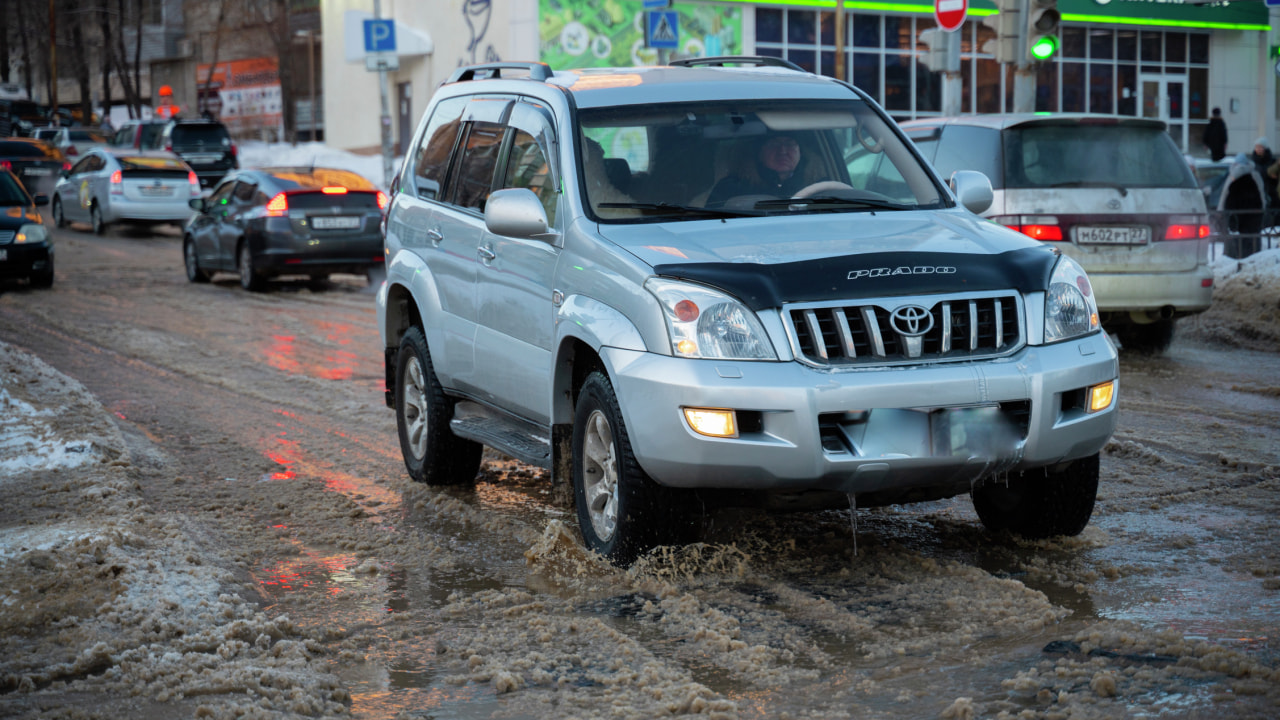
{"x": 847, "y": 277}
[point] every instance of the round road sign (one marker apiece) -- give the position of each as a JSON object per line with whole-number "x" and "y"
{"x": 950, "y": 13}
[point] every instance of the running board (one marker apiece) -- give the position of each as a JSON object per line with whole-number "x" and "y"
{"x": 523, "y": 441}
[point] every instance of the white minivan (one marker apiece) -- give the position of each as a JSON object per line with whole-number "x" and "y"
{"x": 1114, "y": 193}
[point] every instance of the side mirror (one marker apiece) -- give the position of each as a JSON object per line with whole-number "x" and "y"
{"x": 517, "y": 212}
{"x": 973, "y": 190}
{"x": 41, "y": 199}
{"x": 196, "y": 204}
{"x": 64, "y": 173}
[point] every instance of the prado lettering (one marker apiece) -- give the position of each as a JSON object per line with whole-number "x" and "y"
{"x": 887, "y": 272}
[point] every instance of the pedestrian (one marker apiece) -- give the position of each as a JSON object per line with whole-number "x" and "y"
{"x": 1215, "y": 136}
{"x": 1243, "y": 200}
{"x": 1263, "y": 159}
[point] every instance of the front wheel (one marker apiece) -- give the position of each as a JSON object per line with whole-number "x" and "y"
{"x": 59, "y": 219}
{"x": 621, "y": 511}
{"x": 1040, "y": 503}
{"x": 432, "y": 453}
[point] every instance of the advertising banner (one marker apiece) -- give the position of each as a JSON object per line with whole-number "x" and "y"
{"x": 611, "y": 33}
{"x": 243, "y": 94}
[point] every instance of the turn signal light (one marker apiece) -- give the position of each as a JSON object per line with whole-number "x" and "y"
{"x": 1101, "y": 396}
{"x": 711, "y": 422}
{"x": 278, "y": 206}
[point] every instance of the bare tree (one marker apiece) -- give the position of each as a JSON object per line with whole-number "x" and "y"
{"x": 217, "y": 44}
{"x": 24, "y": 32}
{"x": 274, "y": 16}
{"x": 104, "y": 22}
{"x": 120, "y": 60}
{"x": 4, "y": 40}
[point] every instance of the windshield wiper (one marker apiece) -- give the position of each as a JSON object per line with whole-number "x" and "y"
{"x": 835, "y": 202}
{"x": 687, "y": 209}
{"x": 1093, "y": 183}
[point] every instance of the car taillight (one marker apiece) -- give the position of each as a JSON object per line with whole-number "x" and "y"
{"x": 71, "y": 150}
{"x": 194, "y": 181}
{"x": 168, "y": 147}
{"x": 66, "y": 166}
{"x": 1036, "y": 227}
{"x": 117, "y": 183}
{"x": 333, "y": 190}
{"x": 278, "y": 206}
{"x": 382, "y": 200}
{"x": 1186, "y": 232}
{"x": 233, "y": 150}
{"x": 6, "y": 165}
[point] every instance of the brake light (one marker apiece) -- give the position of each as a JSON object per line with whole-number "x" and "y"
{"x": 66, "y": 166}
{"x": 1042, "y": 232}
{"x": 71, "y": 150}
{"x": 117, "y": 183}
{"x": 194, "y": 181}
{"x": 168, "y": 147}
{"x": 233, "y": 150}
{"x": 382, "y": 200}
{"x": 1036, "y": 227}
{"x": 333, "y": 190}
{"x": 278, "y": 206}
{"x": 1186, "y": 232}
{"x": 6, "y": 165}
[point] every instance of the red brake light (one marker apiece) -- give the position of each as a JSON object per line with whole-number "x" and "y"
{"x": 117, "y": 183}
{"x": 333, "y": 190}
{"x": 382, "y": 200}
{"x": 66, "y": 165}
{"x": 6, "y": 165}
{"x": 1186, "y": 232}
{"x": 71, "y": 150}
{"x": 278, "y": 206}
{"x": 192, "y": 178}
{"x": 1042, "y": 232}
{"x": 233, "y": 150}
{"x": 168, "y": 147}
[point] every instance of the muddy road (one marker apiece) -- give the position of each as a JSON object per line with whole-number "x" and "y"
{"x": 260, "y": 551}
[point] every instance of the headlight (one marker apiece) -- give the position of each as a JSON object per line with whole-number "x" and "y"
{"x": 705, "y": 323}
{"x": 1069, "y": 307}
{"x": 32, "y": 234}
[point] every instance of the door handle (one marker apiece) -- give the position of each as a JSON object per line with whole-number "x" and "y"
{"x": 435, "y": 236}
{"x": 486, "y": 253}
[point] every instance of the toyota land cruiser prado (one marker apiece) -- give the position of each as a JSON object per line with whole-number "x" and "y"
{"x": 727, "y": 281}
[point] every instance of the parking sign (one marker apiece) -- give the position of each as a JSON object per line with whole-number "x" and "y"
{"x": 379, "y": 36}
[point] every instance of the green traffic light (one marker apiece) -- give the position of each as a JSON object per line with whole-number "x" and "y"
{"x": 1044, "y": 47}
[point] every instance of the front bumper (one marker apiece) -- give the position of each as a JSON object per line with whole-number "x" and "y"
{"x": 865, "y": 430}
{"x": 25, "y": 259}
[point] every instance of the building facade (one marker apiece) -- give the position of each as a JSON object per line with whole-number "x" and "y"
{"x": 1171, "y": 60}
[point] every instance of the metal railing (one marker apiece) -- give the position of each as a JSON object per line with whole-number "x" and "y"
{"x": 1241, "y": 233}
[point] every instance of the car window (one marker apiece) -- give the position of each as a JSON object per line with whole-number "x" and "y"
{"x": 200, "y": 134}
{"x": 124, "y": 136}
{"x": 964, "y": 147}
{"x": 84, "y": 165}
{"x": 1061, "y": 155}
{"x": 11, "y": 192}
{"x": 475, "y": 171}
{"x": 435, "y": 147}
{"x": 244, "y": 191}
{"x": 152, "y": 137}
{"x": 528, "y": 168}
{"x": 86, "y": 136}
{"x": 222, "y": 195}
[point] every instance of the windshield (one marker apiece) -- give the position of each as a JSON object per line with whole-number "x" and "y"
{"x": 201, "y": 135}
{"x": 1103, "y": 155}
{"x": 11, "y": 193}
{"x": 740, "y": 157}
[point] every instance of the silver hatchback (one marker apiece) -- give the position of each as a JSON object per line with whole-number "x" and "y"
{"x": 108, "y": 186}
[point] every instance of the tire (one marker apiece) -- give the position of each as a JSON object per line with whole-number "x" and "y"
{"x": 59, "y": 219}
{"x": 1040, "y": 504}
{"x": 95, "y": 219}
{"x": 194, "y": 272}
{"x": 44, "y": 279}
{"x": 1149, "y": 339}
{"x": 432, "y": 453}
{"x": 622, "y": 513}
{"x": 250, "y": 279}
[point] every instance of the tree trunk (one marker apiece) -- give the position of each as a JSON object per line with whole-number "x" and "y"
{"x": 118, "y": 60}
{"x": 217, "y": 43}
{"x": 105, "y": 17}
{"x": 81, "y": 58}
{"x": 24, "y": 32}
{"x": 4, "y": 41}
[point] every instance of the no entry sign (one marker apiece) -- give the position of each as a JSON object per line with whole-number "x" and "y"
{"x": 950, "y": 13}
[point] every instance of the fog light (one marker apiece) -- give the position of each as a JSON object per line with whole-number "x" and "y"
{"x": 1100, "y": 396}
{"x": 711, "y": 422}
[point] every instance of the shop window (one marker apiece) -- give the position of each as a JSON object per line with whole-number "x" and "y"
{"x": 897, "y": 33}
{"x": 829, "y": 63}
{"x": 1126, "y": 44}
{"x": 1073, "y": 42}
{"x": 866, "y": 73}
{"x": 827, "y": 29}
{"x": 768, "y": 25}
{"x": 1047, "y": 88}
{"x": 1102, "y": 88}
{"x": 966, "y": 82}
{"x": 1175, "y": 47}
{"x": 928, "y": 90}
{"x": 802, "y": 27}
{"x": 897, "y": 81}
{"x": 806, "y": 59}
{"x": 1198, "y": 48}
{"x": 1198, "y": 93}
{"x": 1150, "y": 43}
{"x": 769, "y": 52}
{"x": 1073, "y": 89}
{"x": 1101, "y": 44}
{"x": 866, "y": 30}
{"x": 988, "y": 86}
{"x": 1127, "y": 93}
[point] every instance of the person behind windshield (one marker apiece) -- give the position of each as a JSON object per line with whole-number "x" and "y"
{"x": 777, "y": 171}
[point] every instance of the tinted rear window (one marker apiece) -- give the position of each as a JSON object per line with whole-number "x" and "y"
{"x": 28, "y": 150}
{"x": 295, "y": 178}
{"x": 206, "y": 134}
{"x": 11, "y": 192}
{"x": 1066, "y": 155}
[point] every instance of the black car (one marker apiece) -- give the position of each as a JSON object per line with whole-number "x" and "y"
{"x": 26, "y": 246}
{"x": 35, "y": 163}
{"x": 205, "y": 145}
{"x": 19, "y": 118}
{"x": 286, "y": 221}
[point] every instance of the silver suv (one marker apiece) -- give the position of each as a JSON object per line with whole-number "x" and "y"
{"x": 727, "y": 281}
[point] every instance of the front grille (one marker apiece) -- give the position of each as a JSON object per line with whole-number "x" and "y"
{"x": 906, "y": 330}
{"x": 6, "y": 236}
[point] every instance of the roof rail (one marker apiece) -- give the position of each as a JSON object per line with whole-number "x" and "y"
{"x": 487, "y": 71}
{"x": 721, "y": 61}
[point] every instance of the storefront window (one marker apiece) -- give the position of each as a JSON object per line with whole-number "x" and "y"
{"x": 1199, "y": 48}
{"x": 866, "y": 73}
{"x": 768, "y": 25}
{"x": 1073, "y": 42}
{"x": 1151, "y": 46}
{"x": 1127, "y": 45}
{"x": 1175, "y": 47}
{"x": 1047, "y": 88}
{"x": 988, "y": 86}
{"x": 897, "y": 82}
{"x": 1127, "y": 81}
{"x": 1101, "y": 88}
{"x": 802, "y": 27}
{"x": 1101, "y": 44}
{"x": 1073, "y": 87}
{"x": 866, "y": 31}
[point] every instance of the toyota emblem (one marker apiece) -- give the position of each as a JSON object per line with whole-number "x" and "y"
{"x": 911, "y": 320}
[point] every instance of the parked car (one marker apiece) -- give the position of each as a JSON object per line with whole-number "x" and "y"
{"x": 26, "y": 247}
{"x": 286, "y": 221}
{"x": 1113, "y": 193}
{"x": 140, "y": 135}
{"x": 19, "y": 117}
{"x": 205, "y": 145}
{"x": 72, "y": 141}
{"x": 108, "y": 186}
{"x": 697, "y": 285}
{"x": 35, "y": 162}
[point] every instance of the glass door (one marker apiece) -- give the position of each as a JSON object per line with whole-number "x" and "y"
{"x": 1164, "y": 98}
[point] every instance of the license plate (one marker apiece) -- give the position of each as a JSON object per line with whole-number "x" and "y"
{"x": 154, "y": 191}
{"x": 1113, "y": 235}
{"x": 203, "y": 158}
{"x": 37, "y": 171}
{"x": 341, "y": 222}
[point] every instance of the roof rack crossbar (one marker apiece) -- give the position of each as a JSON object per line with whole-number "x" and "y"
{"x": 537, "y": 71}
{"x": 722, "y": 60}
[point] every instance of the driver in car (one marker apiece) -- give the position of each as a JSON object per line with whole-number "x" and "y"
{"x": 777, "y": 171}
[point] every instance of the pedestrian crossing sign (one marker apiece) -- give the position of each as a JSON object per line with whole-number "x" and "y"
{"x": 663, "y": 29}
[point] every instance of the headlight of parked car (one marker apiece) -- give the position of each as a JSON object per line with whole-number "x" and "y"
{"x": 704, "y": 323}
{"x": 32, "y": 234}
{"x": 1069, "y": 307}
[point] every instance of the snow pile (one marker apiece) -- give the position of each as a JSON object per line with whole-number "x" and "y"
{"x": 314, "y": 154}
{"x": 1246, "y": 304}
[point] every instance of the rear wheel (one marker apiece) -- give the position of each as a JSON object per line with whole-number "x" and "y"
{"x": 1040, "y": 503}
{"x": 194, "y": 273}
{"x": 432, "y": 453}
{"x": 1149, "y": 339}
{"x": 95, "y": 219}
{"x": 622, "y": 512}
{"x": 250, "y": 279}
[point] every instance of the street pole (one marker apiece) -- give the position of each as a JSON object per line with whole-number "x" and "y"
{"x": 385, "y": 119}
{"x": 840, "y": 72}
{"x": 952, "y": 80}
{"x": 1024, "y": 76}
{"x": 311, "y": 78}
